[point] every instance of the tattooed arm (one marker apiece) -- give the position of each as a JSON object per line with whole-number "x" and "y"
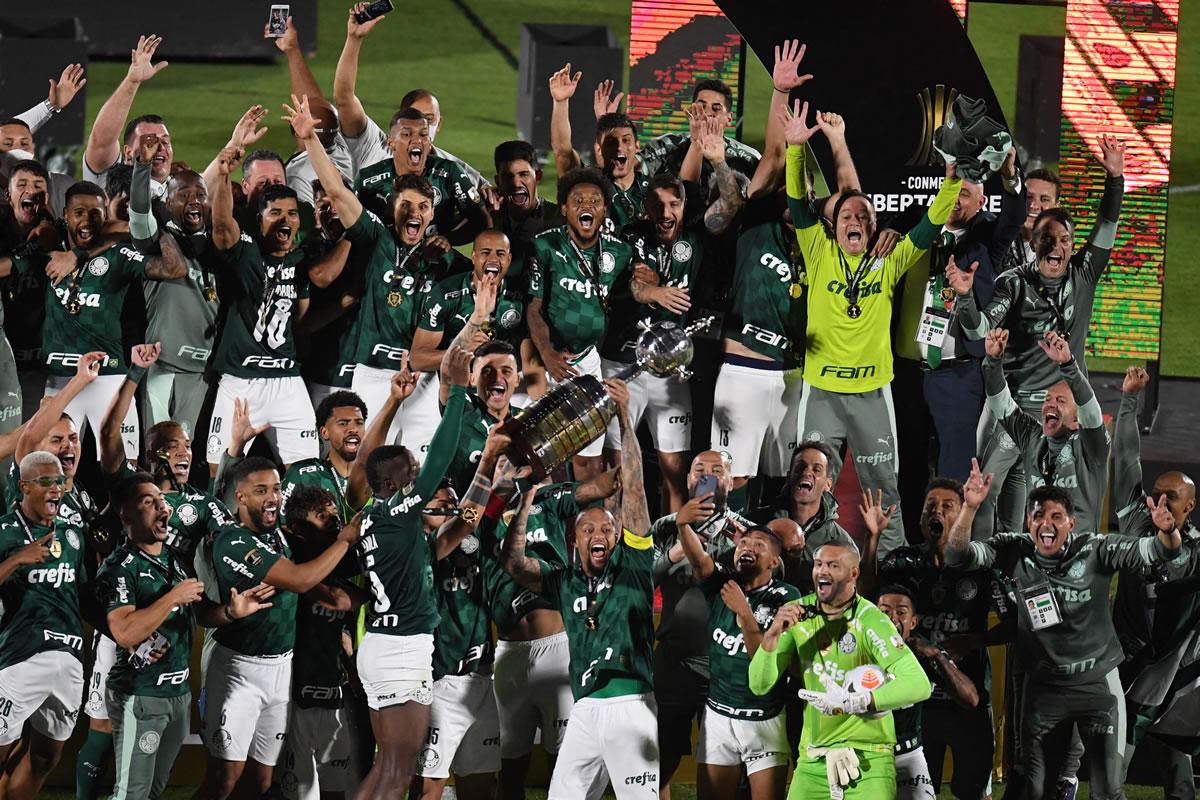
{"x": 524, "y": 570}
{"x": 634, "y": 511}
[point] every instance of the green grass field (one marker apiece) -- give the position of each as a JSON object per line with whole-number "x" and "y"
{"x": 432, "y": 45}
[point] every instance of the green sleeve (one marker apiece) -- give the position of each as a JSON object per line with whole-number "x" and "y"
{"x": 909, "y": 684}
{"x": 797, "y": 197}
{"x": 977, "y": 555}
{"x": 539, "y": 262}
{"x": 442, "y": 447}
{"x": 1024, "y": 429}
{"x": 1125, "y": 552}
{"x": 925, "y": 231}
{"x": 768, "y": 665}
{"x": 1089, "y": 414}
{"x": 114, "y": 586}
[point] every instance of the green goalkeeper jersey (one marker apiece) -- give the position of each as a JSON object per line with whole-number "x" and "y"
{"x": 849, "y": 346}
{"x": 833, "y": 647}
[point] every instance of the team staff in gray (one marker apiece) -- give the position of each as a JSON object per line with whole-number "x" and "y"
{"x": 1066, "y": 642}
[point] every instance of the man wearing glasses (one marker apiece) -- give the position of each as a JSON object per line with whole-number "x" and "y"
{"x": 41, "y": 644}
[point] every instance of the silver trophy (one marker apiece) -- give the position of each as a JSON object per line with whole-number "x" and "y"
{"x": 548, "y": 433}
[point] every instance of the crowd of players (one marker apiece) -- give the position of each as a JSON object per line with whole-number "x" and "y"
{"x": 391, "y": 600}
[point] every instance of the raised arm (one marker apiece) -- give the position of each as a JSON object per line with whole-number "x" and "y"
{"x": 834, "y": 128}
{"x": 956, "y": 546}
{"x": 425, "y": 352}
{"x": 52, "y": 408}
{"x": 352, "y": 118}
{"x": 562, "y": 88}
{"x": 601, "y": 487}
{"x": 481, "y": 493}
{"x": 524, "y": 570}
{"x": 695, "y": 510}
{"x": 976, "y": 323}
{"x": 245, "y": 135}
{"x": 226, "y": 231}
{"x": 62, "y": 92}
{"x": 403, "y": 383}
{"x": 345, "y": 202}
{"x": 302, "y": 81}
{"x": 1019, "y": 425}
{"x": 143, "y": 227}
{"x": 719, "y": 215}
{"x": 112, "y": 445}
{"x": 1094, "y": 257}
{"x": 797, "y": 133}
{"x": 104, "y": 145}
{"x": 635, "y": 512}
{"x": 300, "y": 578}
{"x": 1128, "y": 495}
{"x": 875, "y": 520}
{"x": 785, "y": 77}
{"x": 1090, "y": 416}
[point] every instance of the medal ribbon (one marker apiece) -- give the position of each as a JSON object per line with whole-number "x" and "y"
{"x": 585, "y": 267}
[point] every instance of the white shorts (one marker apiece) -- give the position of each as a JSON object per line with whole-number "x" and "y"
{"x": 281, "y": 403}
{"x": 43, "y": 690}
{"x": 533, "y": 691}
{"x": 105, "y": 653}
{"x": 912, "y": 776}
{"x": 396, "y": 669}
{"x": 464, "y": 730}
{"x": 586, "y": 364}
{"x": 614, "y": 739}
{"x": 727, "y": 742}
{"x": 246, "y": 705}
{"x": 88, "y": 408}
{"x": 754, "y": 418}
{"x": 320, "y": 753}
{"x": 666, "y": 405}
{"x": 419, "y": 415}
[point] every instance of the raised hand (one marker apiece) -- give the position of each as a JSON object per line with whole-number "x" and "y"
{"x": 356, "y": 29}
{"x": 832, "y": 126}
{"x": 403, "y": 382}
{"x": 696, "y": 509}
{"x": 1161, "y": 514}
{"x": 289, "y": 41}
{"x": 563, "y": 84}
{"x": 603, "y": 101}
{"x": 148, "y": 147}
{"x": 996, "y": 342}
{"x": 1136, "y": 379}
{"x": 140, "y": 66}
{"x": 1112, "y": 155}
{"x": 298, "y": 116}
{"x": 485, "y": 299}
{"x": 961, "y": 280}
{"x": 228, "y": 160}
{"x": 696, "y": 117}
{"x": 88, "y": 368}
{"x": 795, "y": 127}
{"x": 63, "y": 91}
{"x": 246, "y": 132}
{"x": 1008, "y": 169}
{"x": 712, "y": 141}
{"x": 456, "y": 366}
{"x": 143, "y": 355}
{"x": 975, "y": 490}
{"x": 785, "y": 74}
{"x": 241, "y": 429}
{"x": 1056, "y": 348}
{"x": 875, "y": 517}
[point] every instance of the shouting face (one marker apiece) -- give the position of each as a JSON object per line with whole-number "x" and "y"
{"x": 1060, "y": 414}
{"x": 42, "y": 491}
{"x": 278, "y": 225}
{"x": 517, "y": 183}
{"x": 160, "y": 167}
{"x": 835, "y": 574}
{"x": 665, "y": 209}
{"x": 810, "y": 476}
{"x": 344, "y": 431}
{"x": 27, "y": 196}
{"x": 496, "y": 379}
{"x": 1052, "y": 242}
{"x": 855, "y": 225}
{"x": 410, "y": 143}
{"x": 412, "y": 212}
{"x": 755, "y": 555}
{"x": 85, "y": 217}
{"x": 616, "y": 153}
{"x": 259, "y": 496}
{"x": 940, "y": 510}
{"x": 63, "y": 441}
{"x": 187, "y": 202}
{"x": 595, "y": 539}
{"x": 585, "y": 210}
{"x": 491, "y": 256}
{"x": 1050, "y": 524}
{"x": 147, "y": 515}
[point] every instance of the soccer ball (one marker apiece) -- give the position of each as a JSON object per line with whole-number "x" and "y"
{"x": 867, "y": 678}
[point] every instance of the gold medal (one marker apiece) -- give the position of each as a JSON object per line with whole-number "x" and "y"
{"x": 55, "y": 548}
{"x": 947, "y": 294}
{"x": 591, "y": 623}
{"x": 796, "y": 290}
{"x": 394, "y": 299}
{"x": 73, "y": 307}
{"x": 854, "y": 311}
{"x": 210, "y": 293}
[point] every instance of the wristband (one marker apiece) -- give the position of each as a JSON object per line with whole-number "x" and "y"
{"x": 135, "y": 373}
{"x": 495, "y": 507}
{"x": 50, "y": 109}
{"x": 228, "y": 614}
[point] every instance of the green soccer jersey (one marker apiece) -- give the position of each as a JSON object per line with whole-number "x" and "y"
{"x": 819, "y": 646}
{"x": 763, "y": 314}
{"x": 462, "y": 643}
{"x": 394, "y": 291}
{"x": 320, "y": 473}
{"x": 40, "y": 602}
{"x": 677, "y": 264}
{"x": 554, "y": 508}
{"x": 132, "y": 577}
{"x": 574, "y": 284}
{"x": 1065, "y": 632}
{"x": 521, "y": 230}
{"x": 317, "y": 672}
{"x": 728, "y": 659}
{"x": 628, "y": 206}
{"x": 453, "y": 191}
{"x": 475, "y": 424}
{"x": 620, "y": 645}
{"x": 394, "y": 552}
{"x": 96, "y": 293}
{"x": 179, "y": 313}
{"x": 242, "y": 559}
{"x": 452, "y": 301}
{"x": 260, "y": 296}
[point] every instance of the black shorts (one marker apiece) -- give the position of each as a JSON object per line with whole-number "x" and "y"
{"x": 681, "y": 694}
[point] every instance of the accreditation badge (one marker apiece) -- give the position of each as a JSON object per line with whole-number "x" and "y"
{"x": 1042, "y": 606}
{"x": 933, "y": 326}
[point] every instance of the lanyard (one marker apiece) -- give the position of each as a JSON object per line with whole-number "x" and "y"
{"x": 74, "y": 285}
{"x": 1055, "y": 301}
{"x": 25, "y": 526}
{"x": 585, "y": 267}
{"x": 169, "y": 570}
{"x": 852, "y": 281}
{"x": 394, "y": 295}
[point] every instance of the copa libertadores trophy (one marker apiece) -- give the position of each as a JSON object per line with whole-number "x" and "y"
{"x": 572, "y": 414}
